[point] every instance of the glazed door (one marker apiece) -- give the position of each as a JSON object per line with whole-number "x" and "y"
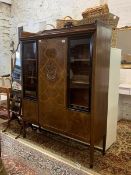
{"x": 29, "y": 71}
{"x": 29, "y": 79}
{"x": 79, "y": 73}
{"x": 52, "y": 83}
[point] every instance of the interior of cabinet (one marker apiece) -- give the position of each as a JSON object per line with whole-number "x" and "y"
{"x": 79, "y": 73}
{"x": 29, "y": 51}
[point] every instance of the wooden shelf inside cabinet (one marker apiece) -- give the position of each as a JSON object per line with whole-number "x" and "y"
{"x": 80, "y": 60}
{"x": 30, "y": 94}
{"x": 30, "y": 59}
{"x": 79, "y": 85}
{"x": 31, "y": 77}
{"x": 33, "y": 93}
{"x": 80, "y": 82}
{"x": 79, "y": 108}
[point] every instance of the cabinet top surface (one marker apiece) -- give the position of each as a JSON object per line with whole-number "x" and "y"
{"x": 82, "y": 29}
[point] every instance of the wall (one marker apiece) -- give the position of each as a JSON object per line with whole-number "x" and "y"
{"x": 124, "y": 43}
{"x": 125, "y": 100}
{"x": 45, "y": 11}
{"x": 122, "y": 9}
{"x": 6, "y": 1}
{"x": 34, "y": 14}
{"x": 124, "y": 107}
{"x": 4, "y": 38}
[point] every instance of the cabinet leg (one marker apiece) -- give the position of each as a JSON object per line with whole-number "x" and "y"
{"x": 21, "y": 129}
{"x": 91, "y": 155}
{"x": 104, "y": 144}
{"x": 8, "y": 105}
{"x": 40, "y": 129}
{"x": 24, "y": 129}
{"x": 8, "y": 125}
{"x": 0, "y": 149}
{"x": 9, "y": 122}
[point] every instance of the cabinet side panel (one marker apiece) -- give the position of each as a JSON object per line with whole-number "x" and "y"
{"x": 100, "y": 82}
{"x": 113, "y": 96}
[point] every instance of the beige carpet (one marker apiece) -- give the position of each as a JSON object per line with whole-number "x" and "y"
{"x": 115, "y": 162}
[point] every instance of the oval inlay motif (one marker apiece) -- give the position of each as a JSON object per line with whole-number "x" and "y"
{"x": 51, "y": 53}
{"x": 51, "y": 71}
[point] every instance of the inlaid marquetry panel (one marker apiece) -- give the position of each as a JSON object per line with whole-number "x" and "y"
{"x": 53, "y": 112}
{"x": 52, "y": 83}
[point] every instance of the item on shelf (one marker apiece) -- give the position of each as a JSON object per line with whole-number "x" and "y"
{"x": 90, "y": 15}
{"x": 97, "y": 10}
{"x": 66, "y": 22}
{"x": 107, "y": 18}
{"x": 102, "y": 13}
{"x": 51, "y": 25}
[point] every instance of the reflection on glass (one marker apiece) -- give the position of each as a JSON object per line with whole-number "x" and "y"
{"x": 29, "y": 50}
{"x": 30, "y": 87}
{"x": 29, "y": 69}
{"x": 18, "y": 62}
{"x": 79, "y": 74}
{"x": 16, "y": 74}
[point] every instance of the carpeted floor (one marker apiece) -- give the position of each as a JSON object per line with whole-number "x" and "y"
{"x": 14, "y": 167}
{"x": 3, "y": 114}
{"x": 115, "y": 162}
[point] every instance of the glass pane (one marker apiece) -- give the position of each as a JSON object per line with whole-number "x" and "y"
{"x": 29, "y": 50}
{"x": 29, "y": 69}
{"x": 30, "y": 86}
{"x": 79, "y": 73}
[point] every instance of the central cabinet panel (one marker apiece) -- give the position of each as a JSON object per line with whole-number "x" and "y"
{"x": 52, "y": 83}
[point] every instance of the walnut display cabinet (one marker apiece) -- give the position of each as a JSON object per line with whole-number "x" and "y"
{"x": 65, "y": 81}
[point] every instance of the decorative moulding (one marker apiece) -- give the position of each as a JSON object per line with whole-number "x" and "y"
{"x": 6, "y": 1}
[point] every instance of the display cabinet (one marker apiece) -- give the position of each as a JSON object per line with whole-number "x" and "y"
{"x": 65, "y": 81}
